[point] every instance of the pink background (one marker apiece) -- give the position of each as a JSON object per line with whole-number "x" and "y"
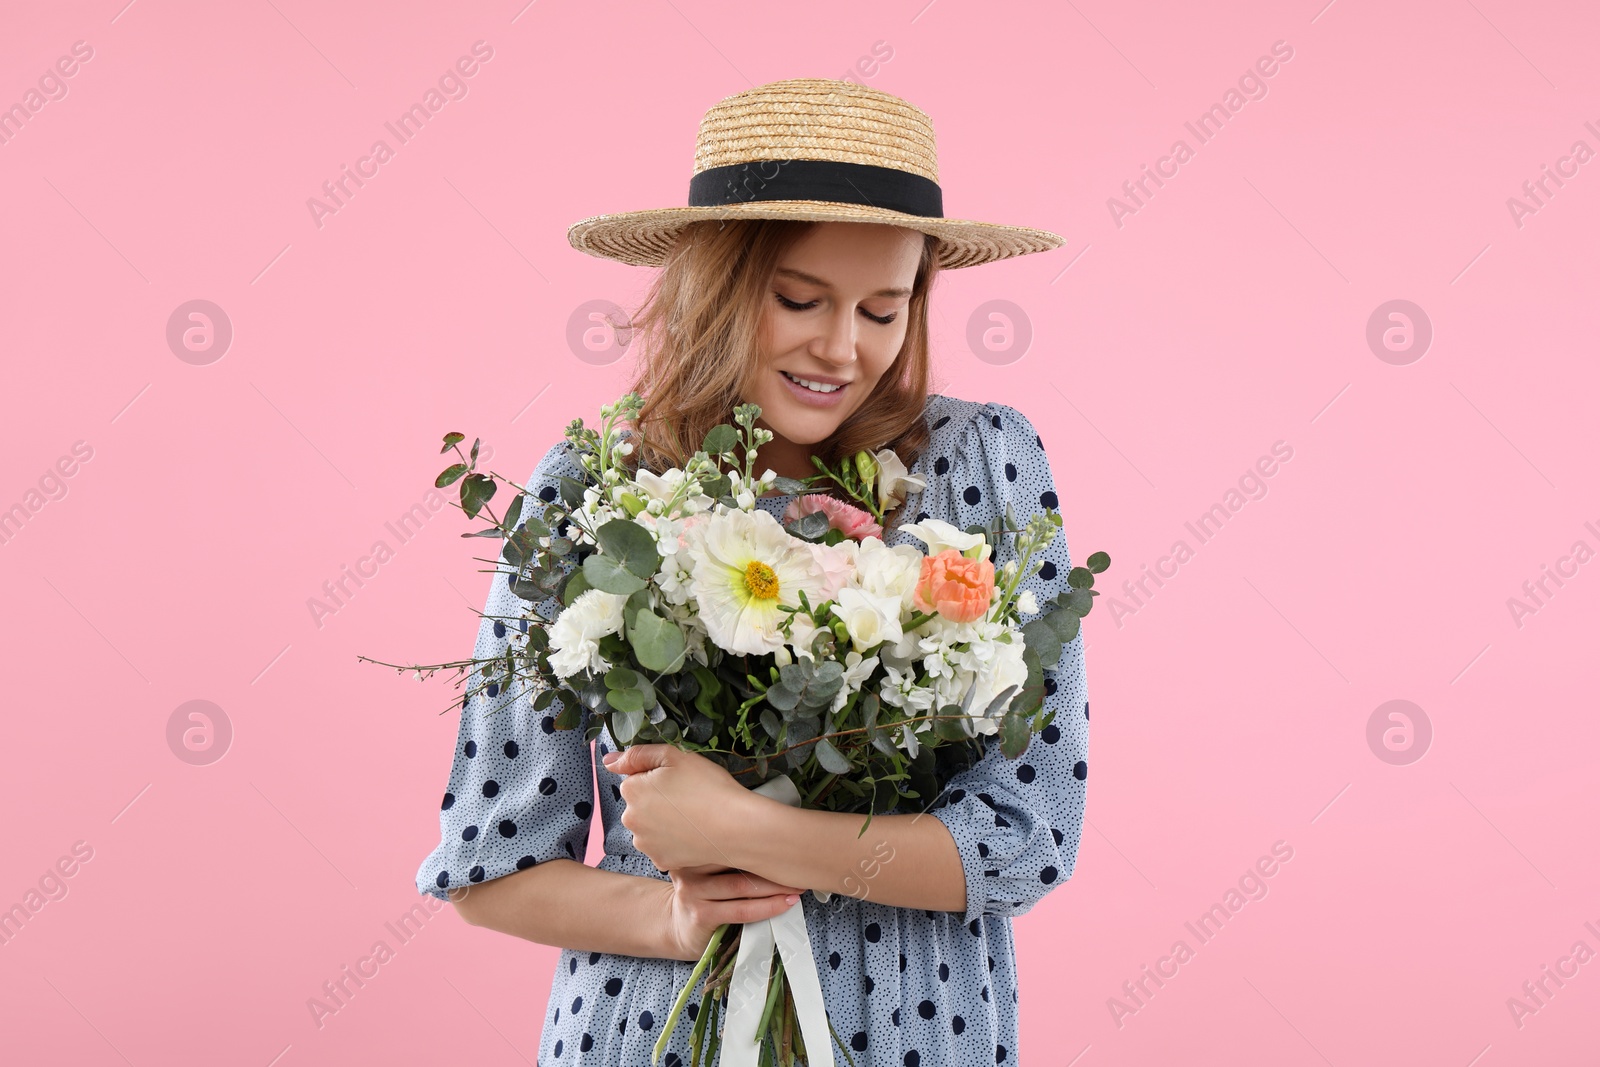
{"x": 1229, "y": 312}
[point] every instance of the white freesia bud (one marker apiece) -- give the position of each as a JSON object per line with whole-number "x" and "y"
{"x": 781, "y": 657}
{"x": 769, "y": 477}
{"x": 1010, "y": 569}
{"x": 746, "y": 499}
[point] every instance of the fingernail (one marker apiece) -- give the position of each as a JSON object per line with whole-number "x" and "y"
{"x": 791, "y": 899}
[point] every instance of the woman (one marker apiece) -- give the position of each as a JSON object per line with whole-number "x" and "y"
{"x": 812, "y": 239}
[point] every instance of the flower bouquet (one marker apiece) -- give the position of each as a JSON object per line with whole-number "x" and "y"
{"x": 806, "y": 656}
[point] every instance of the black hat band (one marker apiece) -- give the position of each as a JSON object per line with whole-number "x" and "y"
{"x": 817, "y": 179}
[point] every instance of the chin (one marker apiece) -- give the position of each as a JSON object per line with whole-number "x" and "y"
{"x": 801, "y": 427}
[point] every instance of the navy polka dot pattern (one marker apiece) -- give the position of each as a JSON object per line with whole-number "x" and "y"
{"x": 903, "y": 985}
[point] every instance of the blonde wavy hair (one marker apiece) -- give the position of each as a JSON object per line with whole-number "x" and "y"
{"x": 698, "y": 336}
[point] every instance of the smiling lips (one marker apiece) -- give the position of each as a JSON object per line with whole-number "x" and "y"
{"x": 817, "y": 385}
{"x": 820, "y": 391}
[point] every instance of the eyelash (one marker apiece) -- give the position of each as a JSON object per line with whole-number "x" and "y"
{"x": 792, "y": 306}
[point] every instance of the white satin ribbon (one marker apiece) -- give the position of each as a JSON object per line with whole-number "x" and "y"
{"x": 747, "y": 995}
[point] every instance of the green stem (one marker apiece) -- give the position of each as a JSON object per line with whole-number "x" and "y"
{"x": 715, "y": 1036}
{"x": 826, "y": 781}
{"x": 848, "y": 1058}
{"x": 697, "y": 1036}
{"x": 772, "y": 999}
{"x": 688, "y": 987}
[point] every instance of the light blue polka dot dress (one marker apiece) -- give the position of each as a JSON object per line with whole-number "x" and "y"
{"x": 904, "y": 986}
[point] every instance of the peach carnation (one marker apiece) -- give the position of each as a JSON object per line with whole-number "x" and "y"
{"x": 956, "y": 587}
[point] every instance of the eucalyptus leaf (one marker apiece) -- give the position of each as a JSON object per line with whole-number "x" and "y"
{"x": 1098, "y": 561}
{"x": 1077, "y": 601}
{"x": 785, "y": 484}
{"x": 625, "y": 725}
{"x": 630, "y": 545}
{"x": 831, "y": 759}
{"x": 809, "y": 526}
{"x": 605, "y": 573}
{"x": 1042, "y": 638}
{"x": 950, "y": 729}
{"x": 449, "y": 475}
{"x": 621, "y": 678}
{"x": 997, "y": 706}
{"x": 527, "y": 590}
{"x": 710, "y": 686}
{"x": 514, "y": 512}
{"x": 571, "y": 491}
{"x": 452, "y": 439}
{"x": 575, "y": 584}
{"x": 658, "y": 643}
{"x": 571, "y": 715}
{"x": 1066, "y": 624}
{"x": 1014, "y": 735}
{"x": 783, "y": 698}
{"x": 721, "y": 439}
{"x": 476, "y": 491}
{"x": 626, "y": 700}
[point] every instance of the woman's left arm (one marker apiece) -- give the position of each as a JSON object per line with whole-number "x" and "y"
{"x": 686, "y": 811}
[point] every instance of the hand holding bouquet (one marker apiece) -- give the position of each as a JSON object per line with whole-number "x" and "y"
{"x": 806, "y": 649}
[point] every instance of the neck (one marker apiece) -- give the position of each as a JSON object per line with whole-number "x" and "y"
{"x": 787, "y": 458}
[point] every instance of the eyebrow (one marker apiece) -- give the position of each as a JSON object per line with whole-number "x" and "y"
{"x": 814, "y": 280}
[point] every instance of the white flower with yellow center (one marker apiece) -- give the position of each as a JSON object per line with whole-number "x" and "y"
{"x": 746, "y": 569}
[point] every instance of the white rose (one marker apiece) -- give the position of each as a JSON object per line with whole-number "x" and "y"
{"x": 869, "y": 619}
{"x": 889, "y": 571}
{"x": 576, "y": 633}
{"x": 939, "y": 535}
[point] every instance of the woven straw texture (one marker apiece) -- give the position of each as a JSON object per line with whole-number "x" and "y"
{"x": 809, "y": 118}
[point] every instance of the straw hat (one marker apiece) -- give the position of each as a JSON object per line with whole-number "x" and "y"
{"x": 818, "y": 150}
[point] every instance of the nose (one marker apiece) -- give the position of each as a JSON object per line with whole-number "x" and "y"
{"x": 837, "y": 343}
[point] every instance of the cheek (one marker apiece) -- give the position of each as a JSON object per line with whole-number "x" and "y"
{"x": 880, "y": 355}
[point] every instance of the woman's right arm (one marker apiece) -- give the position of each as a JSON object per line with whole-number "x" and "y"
{"x": 572, "y": 905}
{"x": 518, "y": 805}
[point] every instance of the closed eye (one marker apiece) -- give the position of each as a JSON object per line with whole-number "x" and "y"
{"x": 792, "y": 306}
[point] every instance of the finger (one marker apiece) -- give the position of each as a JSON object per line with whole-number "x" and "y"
{"x": 636, "y": 758}
{"x": 751, "y": 909}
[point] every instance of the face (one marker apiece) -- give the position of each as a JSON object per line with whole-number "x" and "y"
{"x": 835, "y": 316}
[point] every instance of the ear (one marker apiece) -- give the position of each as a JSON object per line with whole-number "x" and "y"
{"x": 636, "y": 759}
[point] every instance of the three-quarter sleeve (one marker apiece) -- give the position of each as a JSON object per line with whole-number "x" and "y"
{"x": 1017, "y": 822}
{"x": 520, "y": 791}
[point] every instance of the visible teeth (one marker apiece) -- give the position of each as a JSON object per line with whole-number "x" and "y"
{"x": 815, "y": 387}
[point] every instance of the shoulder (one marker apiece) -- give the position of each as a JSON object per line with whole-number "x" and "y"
{"x": 955, "y": 422}
{"x": 560, "y": 460}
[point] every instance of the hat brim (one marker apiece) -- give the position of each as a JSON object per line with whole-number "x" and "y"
{"x": 643, "y": 238}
